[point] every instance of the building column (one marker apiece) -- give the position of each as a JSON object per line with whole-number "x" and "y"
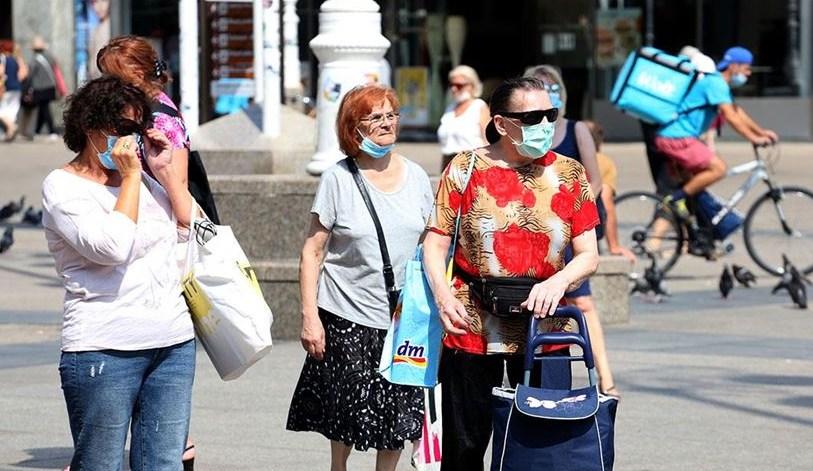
{"x": 189, "y": 51}
{"x": 271, "y": 69}
{"x": 350, "y": 48}
{"x": 290, "y": 51}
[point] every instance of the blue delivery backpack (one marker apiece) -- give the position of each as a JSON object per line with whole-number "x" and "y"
{"x": 652, "y": 85}
{"x": 554, "y": 428}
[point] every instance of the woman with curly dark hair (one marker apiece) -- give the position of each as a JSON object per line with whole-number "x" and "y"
{"x": 128, "y": 349}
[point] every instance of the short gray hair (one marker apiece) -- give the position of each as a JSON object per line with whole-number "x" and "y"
{"x": 471, "y": 76}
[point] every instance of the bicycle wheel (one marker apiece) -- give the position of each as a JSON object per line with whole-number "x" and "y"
{"x": 644, "y": 225}
{"x": 766, "y": 238}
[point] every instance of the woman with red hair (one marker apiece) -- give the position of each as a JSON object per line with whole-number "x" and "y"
{"x": 345, "y": 308}
{"x": 133, "y": 59}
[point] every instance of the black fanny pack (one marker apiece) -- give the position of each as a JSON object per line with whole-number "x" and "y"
{"x": 501, "y": 296}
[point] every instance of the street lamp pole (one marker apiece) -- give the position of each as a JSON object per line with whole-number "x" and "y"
{"x": 271, "y": 70}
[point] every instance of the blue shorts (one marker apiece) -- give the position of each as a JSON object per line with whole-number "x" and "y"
{"x": 584, "y": 288}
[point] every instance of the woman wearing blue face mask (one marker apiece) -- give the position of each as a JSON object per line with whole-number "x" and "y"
{"x": 128, "y": 349}
{"x": 345, "y": 306}
{"x": 520, "y": 206}
{"x": 573, "y": 139}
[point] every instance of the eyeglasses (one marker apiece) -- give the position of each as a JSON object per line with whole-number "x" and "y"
{"x": 126, "y": 126}
{"x": 532, "y": 117}
{"x": 378, "y": 118}
{"x": 458, "y": 84}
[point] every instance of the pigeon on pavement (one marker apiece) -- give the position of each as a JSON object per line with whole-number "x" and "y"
{"x": 7, "y": 240}
{"x": 793, "y": 282}
{"x": 743, "y": 276}
{"x": 726, "y": 282}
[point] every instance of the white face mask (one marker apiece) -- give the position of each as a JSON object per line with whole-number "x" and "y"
{"x": 462, "y": 96}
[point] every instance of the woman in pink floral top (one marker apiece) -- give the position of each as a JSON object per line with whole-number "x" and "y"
{"x": 132, "y": 58}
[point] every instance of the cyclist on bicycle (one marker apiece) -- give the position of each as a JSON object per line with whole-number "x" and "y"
{"x": 680, "y": 140}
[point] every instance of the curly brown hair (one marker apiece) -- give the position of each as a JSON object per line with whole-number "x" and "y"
{"x": 98, "y": 106}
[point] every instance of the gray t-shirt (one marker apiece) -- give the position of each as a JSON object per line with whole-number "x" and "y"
{"x": 351, "y": 284}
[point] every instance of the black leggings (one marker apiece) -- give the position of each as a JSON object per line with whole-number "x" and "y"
{"x": 44, "y": 117}
{"x": 466, "y": 382}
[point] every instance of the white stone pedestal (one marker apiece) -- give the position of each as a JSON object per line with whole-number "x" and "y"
{"x": 349, "y": 48}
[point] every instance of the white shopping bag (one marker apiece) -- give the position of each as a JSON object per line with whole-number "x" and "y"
{"x": 231, "y": 317}
{"x": 426, "y": 453}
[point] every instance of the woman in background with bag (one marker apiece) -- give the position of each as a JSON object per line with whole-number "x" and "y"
{"x": 128, "y": 348}
{"x": 345, "y": 306}
{"x": 39, "y": 90}
{"x": 519, "y": 209}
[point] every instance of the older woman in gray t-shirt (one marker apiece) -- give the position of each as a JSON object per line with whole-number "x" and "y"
{"x": 345, "y": 311}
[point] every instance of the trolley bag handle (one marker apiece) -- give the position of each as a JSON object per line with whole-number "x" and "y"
{"x": 580, "y": 338}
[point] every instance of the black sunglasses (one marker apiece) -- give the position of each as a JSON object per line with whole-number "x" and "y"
{"x": 125, "y": 126}
{"x": 532, "y": 117}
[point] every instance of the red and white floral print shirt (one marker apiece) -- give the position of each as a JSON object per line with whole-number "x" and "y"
{"x": 515, "y": 222}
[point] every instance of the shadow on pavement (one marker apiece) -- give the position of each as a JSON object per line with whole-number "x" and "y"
{"x": 47, "y": 458}
{"x": 775, "y": 380}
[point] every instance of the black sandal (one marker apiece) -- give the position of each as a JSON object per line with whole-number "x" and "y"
{"x": 189, "y": 463}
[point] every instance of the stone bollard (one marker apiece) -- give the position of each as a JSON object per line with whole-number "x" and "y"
{"x": 349, "y": 47}
{"x": 610, "y": 286}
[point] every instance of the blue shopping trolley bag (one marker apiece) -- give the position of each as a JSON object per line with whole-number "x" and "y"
{"x": 554, "y": 429}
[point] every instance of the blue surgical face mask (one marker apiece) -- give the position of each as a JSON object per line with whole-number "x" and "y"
{"x": 372, "y": 149}
{"x": 537, "y": 139}
{"x": 105, "y": 157}
{"x": 738, "y": 80}
{"x": 555, "y": 99}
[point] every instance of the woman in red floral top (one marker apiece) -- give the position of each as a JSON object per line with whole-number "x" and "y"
{"x": 522, "y": 206}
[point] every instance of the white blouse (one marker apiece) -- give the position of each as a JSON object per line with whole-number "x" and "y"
{"x": 461, "y": 133}
{"x": 122, "y": 279}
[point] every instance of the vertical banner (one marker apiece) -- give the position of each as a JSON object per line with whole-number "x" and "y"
{"x": 92, "y": 23}
{"x": 412, "y": 85}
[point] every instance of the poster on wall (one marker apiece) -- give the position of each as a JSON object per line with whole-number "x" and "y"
{"x": 92, "y": 33}
{"x": 232, "y": 57}
{"x": 412, "y": 85}
{"x": 618, "y": 32}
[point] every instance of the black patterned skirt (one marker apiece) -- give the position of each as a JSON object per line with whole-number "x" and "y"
{"x": 344, "y": 397}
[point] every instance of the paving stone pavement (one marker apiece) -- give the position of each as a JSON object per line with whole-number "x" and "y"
{"x": 707, "y": 383}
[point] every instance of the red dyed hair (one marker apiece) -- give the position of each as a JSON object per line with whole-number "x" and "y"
{"x": 356, "y": 104}
{"x": 132, "y": 59}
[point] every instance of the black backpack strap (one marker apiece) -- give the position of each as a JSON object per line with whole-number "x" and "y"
{"x": 389, "y": 275}
{"x": 159, "y": 107}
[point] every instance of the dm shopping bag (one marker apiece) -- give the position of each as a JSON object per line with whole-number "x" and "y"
{"x": 411, "y": 353}
{"x": 549, "y": 427}
{"x": 231, "y": 317}
{"x": 426, "y": 452}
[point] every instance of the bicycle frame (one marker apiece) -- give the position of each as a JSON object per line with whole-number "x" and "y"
{"x": 759, "y": 172}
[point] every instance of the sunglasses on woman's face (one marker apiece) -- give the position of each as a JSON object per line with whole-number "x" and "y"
{"x": 126, "y": 126}
{"x": 533, "y": 117}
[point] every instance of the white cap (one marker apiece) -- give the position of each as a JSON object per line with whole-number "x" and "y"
{"x": 704, "y": 63}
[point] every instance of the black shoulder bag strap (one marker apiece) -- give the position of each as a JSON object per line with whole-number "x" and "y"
{"x": 389, "y": 276}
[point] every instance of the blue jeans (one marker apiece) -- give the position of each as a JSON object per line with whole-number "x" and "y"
{"x": 148, "y": 390}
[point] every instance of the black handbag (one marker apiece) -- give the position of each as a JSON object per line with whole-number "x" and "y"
{"x": 393, "y": 293}
{"x": 197, "y": 179}
{"x": 500, "y": 296}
